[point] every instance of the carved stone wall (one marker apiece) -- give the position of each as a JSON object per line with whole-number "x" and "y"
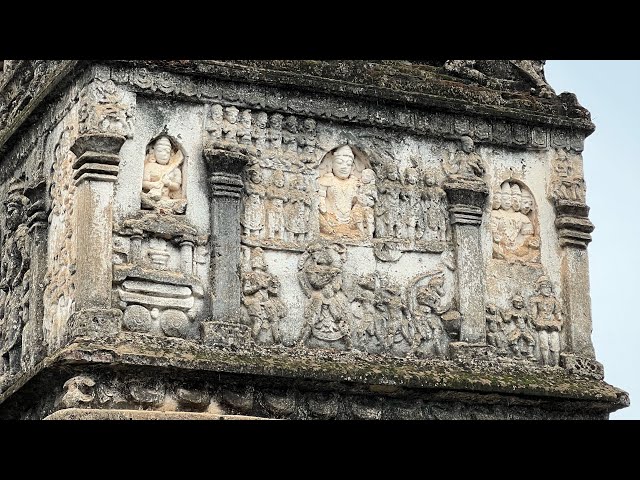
{"x": 158, "y": 218}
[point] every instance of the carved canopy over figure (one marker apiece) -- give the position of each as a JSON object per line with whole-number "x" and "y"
{"x": 162, "y": 179}
{"x": 339, "y": 193}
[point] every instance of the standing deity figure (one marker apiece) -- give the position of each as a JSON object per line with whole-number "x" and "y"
{"x": 14, "y": 281}
{"x": 327, "y": 314}
{"x": 495, "y": 329}
{"x": 518, "y": 322}
{"x": 371, "y": 328}
{"x": 363, "y": 211}
{"x": 259, "y": 132}
{"x": 230, "y": 124}
{"x": 297, "y": 210}
{"x": 547, "y": 320}
{"x": 435, "y": 208}
{"x": 467, "y": 164}
{"x": 162, "y": 177}
{"x": 308, "y": 140}
{"x": 252, "y": 219}
{"x": 263, "y": 308}
{"x": 290, "y": 140}
{"x": 274, "y": 133}
{"x": 412, "y": 211}
{"x": 389, "y": 221}
{"x": 214, "y": 125}
{"x": 275, "y": 206}
{"x": 338, "y": 195}
{"x": 243, "y": 133}
{"x": 399, "y": 329}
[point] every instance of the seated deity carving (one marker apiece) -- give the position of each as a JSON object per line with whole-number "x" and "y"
{"x": 162, "y": 182}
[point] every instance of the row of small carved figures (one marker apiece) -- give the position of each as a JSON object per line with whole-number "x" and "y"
{"x": 262, "y": 131}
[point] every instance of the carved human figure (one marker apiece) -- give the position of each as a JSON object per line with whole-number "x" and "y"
{"x": 252, "y": 219}
{"x": 290, "y": 139}
{"x": 547, "y": 320}
{"x": 411, "y": 206}
{"x": 495, "y": 329}
{"x": 243, "y": 133}
{"x": 467, "y": 164}
{"x": 338, "y": 192}
{"x": 297, "y": 210}
{"x": 214, "y": 126}
{"x": 230, "y": 124}
{"x": 399, "y": 332}
{"x": 567, "y": 185}
{"x": 435, "y": 207}
{"x": 259, "y": 132}
{"x": 276, "y": 197}
{"x": 389, "y": 221}
{"x": 308, "y": 140}
{"x": 371, "y": 329}
{"x": 274, "y": 134}
{"x": 363, "y": 210}
{"x": 327, "y": 314}
{"x": 162, "y": 177}
{"x": 431, "y": 337}
{"x": 513, "y": 232}
{"x": 518, "y": 328}
{"x": 14, "y": 281}
{"x": 262, "y": 305}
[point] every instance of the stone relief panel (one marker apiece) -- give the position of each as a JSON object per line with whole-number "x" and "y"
{"x": 162, "y": 182}
{"x": 262, "y": 307}
{"x": 567, "y": 180}
{"x": 514, "y": 224}
{"x": 61, "y": 264}
{"x": 528, "y": 327}
{"x": 14, "y": 279}
{"x": 104, "y": 107}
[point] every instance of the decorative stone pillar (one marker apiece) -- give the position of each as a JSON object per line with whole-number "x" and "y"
{"x": 33, "y": 347}
{"x": 224, "y": 167}
{"x": 104, "y": 113}
{"x": 574, "y": 230}
{"x": 466, "y": 204}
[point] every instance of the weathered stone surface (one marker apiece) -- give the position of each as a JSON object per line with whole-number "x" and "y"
{"x": 294, "y": 239}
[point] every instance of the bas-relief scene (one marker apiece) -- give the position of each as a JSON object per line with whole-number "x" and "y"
{"x": 309, "y": 205}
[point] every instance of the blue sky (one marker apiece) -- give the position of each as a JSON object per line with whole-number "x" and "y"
{"x": 610, "y": 91}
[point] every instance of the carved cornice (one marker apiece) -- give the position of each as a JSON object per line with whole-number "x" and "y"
{"x": 573, "y": 224}
{"x": 24, "y": 88}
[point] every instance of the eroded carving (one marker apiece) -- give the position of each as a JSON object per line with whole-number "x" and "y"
{"x": 547, "y": 320}
{"x": 567, "y": 183}
{"x": 105, "y": 108}
{"x": 262, "y": 307}
{"x": 14, "y": 279}
{"x": 327, "y": 314}
{"x": 162, "y": 182}
{"x": 465, "y": 164}
{"x": 252, "y": 219}
{"x": 517, "y": 328}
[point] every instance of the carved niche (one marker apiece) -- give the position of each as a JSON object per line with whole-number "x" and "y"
{"x": 158, "y": 265}
{"x": 163, "y": 178}
{"x": 515, "y": 229}
{"x": 347, "y": 194}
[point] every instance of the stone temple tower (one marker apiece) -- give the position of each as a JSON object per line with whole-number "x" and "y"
{"x": 294, "y": 239}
